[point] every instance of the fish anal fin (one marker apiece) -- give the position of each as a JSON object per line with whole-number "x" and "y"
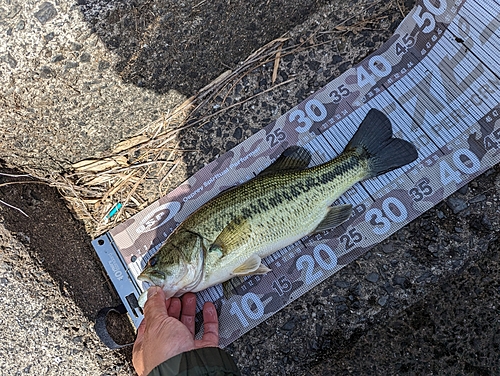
{"x": 293, "y": 158}
{"x": 235, "y": 234}
{"x": 251, "y": 266}
{"x": 335, "y": 216}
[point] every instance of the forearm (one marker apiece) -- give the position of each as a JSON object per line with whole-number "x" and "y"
{"x": 205, "y": 361}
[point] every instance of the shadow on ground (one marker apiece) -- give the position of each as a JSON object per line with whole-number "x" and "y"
{"x": 165, "y": 44}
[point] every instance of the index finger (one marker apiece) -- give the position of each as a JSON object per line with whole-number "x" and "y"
{"x": 189, "y": 311}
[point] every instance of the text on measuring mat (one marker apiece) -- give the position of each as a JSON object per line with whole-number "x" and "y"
{"x": 220, "y": 174}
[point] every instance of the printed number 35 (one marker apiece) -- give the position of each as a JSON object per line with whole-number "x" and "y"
{"x": 337, "y": 95}
{"x": 422, "y": 189}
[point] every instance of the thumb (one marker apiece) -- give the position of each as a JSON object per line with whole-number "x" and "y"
{"x": 155, "y": 307}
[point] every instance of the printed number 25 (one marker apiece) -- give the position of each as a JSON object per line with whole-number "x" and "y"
{"x": 275, "y": 137}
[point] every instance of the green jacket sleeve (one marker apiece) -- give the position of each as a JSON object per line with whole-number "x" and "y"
{"x": 210, "y": 361}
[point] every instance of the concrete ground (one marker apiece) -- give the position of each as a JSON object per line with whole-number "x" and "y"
{"x": 79, "y": 76}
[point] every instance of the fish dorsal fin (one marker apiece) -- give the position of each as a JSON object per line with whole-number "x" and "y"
{"x": 335, "y": 216}
{"x": 235, "y": 234}
{"x": 251, "y": 266}
{"x": 293, "y": 158}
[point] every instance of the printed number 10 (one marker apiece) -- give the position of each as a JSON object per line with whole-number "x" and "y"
{"x": 251, "y": 307}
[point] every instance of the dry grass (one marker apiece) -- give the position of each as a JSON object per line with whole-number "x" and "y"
{"x": 104, "y": 192}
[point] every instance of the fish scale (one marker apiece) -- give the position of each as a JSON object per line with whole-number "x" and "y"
{"x": 444, "y": 41}
{"x": 284, "y": 203}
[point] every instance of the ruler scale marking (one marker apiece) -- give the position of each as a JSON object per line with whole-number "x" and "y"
{"x": 380, "y": 207}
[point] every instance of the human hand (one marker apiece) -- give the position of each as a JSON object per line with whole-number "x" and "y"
{"x": 168, "y": 329}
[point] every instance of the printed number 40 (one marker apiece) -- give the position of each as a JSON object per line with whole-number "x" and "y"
{"x": 464, "y": 160}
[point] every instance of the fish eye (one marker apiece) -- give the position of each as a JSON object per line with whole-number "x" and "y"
{"x": 152, "y": 261}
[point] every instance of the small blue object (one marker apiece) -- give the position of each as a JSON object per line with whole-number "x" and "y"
{"x": 113, "y": 211}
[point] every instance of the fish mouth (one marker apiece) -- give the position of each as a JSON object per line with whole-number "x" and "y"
{"x": 143, "y": 278}
{"x": 155, "y": 277}
{"x": 198, "y": 273}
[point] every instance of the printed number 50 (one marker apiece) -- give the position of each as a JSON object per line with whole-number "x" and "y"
{"x": 421, "y": 18}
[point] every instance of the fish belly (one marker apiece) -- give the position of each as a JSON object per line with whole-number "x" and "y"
{"x": 280, "y": 211}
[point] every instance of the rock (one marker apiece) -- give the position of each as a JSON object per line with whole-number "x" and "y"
{"x": 342, "y": 284}
{"x": 46, "y": 12}
{"x": 341, "y": 308}
{"x": 289, "y": 325}
{"x": 372, "y": 277}
{"x": 456, "y": 204}
{"x": 388, "y": 248}
{"x": 478, "y": 198}
{"x": 382, "y": 301}
{"x": 401, "y": 281}
{"x": 463, "y": 190}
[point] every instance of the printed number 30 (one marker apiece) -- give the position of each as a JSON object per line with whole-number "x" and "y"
{"x": 376, "y": 216}
{"x": 314, "y": 110}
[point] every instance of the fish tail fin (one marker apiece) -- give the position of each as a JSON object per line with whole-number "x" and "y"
{"x": 385, "y": 153}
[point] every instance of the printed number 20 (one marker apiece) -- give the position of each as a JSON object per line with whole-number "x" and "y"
{"x": 308, "y": 263}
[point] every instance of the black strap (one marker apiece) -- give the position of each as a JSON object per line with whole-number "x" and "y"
{"x": 101, "y": 329}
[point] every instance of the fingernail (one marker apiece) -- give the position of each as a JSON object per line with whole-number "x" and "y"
{"x": 152, "y": 291}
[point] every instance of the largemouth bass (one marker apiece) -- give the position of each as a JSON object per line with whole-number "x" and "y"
{"x": 230, "y": 234}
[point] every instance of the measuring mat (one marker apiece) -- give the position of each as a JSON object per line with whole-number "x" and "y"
{"x": 436, "y": 79}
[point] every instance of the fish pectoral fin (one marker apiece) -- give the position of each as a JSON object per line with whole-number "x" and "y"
{"x": 335, "y": 216}
{"x": 293, "y": 158}
{"x": 251, "y": 266}
{"x": 235, "y": 234}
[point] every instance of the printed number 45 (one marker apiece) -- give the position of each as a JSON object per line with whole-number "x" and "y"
{"x": 408, "y": 42}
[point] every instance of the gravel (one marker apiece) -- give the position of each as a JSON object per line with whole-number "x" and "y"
{"x": 76, "y": 78}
